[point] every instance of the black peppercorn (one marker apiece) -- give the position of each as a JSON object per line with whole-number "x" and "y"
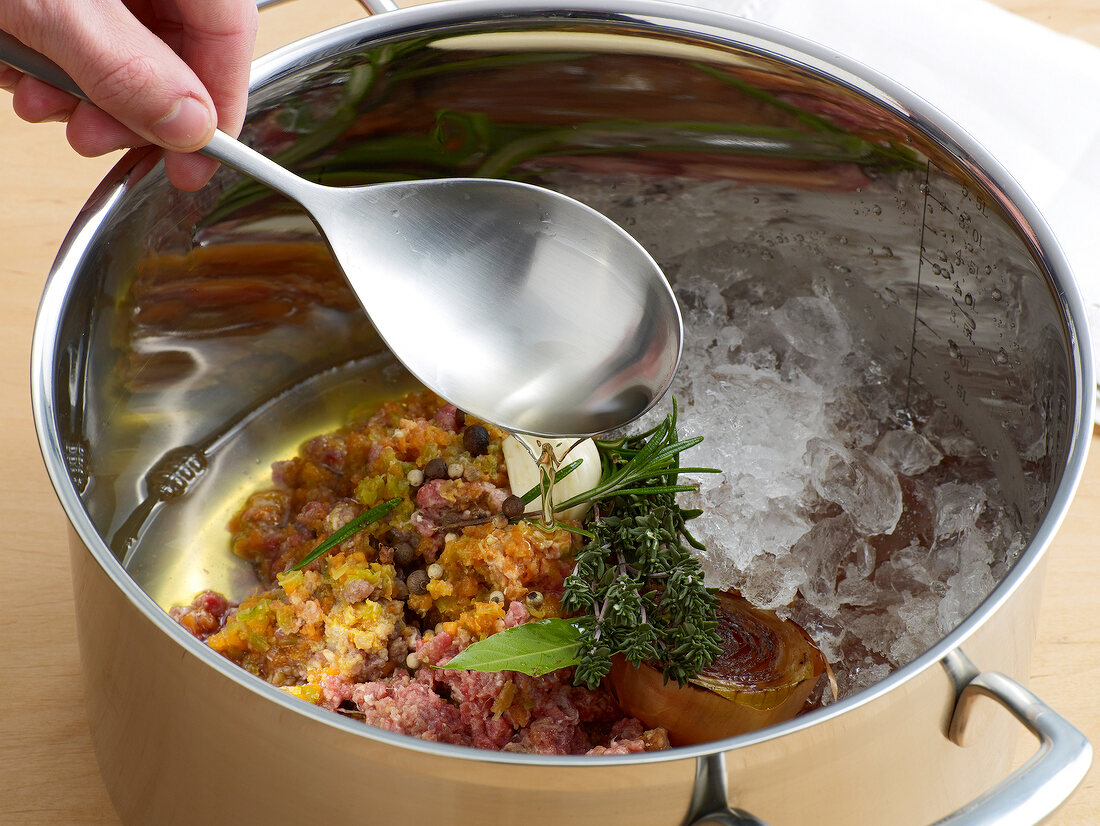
{"x": 475, "y": 439}
{"x": 435, "y": 469}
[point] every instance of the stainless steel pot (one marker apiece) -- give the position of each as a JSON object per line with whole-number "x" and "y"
{"x": 144, "y": 396}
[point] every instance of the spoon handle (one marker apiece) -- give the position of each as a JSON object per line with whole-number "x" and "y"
{"x": 20, "y": 56}
{"x": 247, "y": 160}
{"x": 221, "y": 147}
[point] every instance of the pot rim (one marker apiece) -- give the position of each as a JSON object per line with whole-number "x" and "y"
{"x": 716, "y": 27}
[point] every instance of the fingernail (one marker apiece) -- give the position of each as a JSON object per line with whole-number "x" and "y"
{"x": 185, "y": 126}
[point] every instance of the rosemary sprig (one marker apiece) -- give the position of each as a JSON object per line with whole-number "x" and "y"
{"x": 644, "y": 465}
{"x": 349, "y": 530}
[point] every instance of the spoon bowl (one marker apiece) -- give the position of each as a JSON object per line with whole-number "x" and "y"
{"x": 517, "y": 304}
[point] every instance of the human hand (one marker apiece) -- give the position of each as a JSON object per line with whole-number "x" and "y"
{"x": 165, "y": 72}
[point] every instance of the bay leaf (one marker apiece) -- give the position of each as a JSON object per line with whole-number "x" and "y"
{"x": 534, "y": 648}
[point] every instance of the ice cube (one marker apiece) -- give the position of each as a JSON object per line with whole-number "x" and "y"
{"x": 850, "y": 420}
{"x": 772, "y": 582}
{"x": 904, "y": 573}
{"x": 837, "y": 561}
{"x": 813, "y": 326}
{"x": 860, "y": 483}
{"x": 958, "y": 507}
{"x": 907, "y": 452}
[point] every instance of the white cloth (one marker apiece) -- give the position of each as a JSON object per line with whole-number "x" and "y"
{"x": 1029, "y": 95}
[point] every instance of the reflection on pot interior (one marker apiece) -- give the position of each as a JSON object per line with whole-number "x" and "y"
{"x": 881, "y": 414}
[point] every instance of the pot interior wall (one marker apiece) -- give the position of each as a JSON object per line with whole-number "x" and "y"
{"x": 762, "y": 176}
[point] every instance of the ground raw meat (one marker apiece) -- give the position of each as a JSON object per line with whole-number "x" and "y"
{"x": 358, "y": 630}
{"x": 205, "y": 614}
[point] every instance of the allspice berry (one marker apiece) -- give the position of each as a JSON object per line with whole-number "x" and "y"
{"x": 417, "y": 582}
{"x": 513, "y": 507}
{"x": 475, "y": 439}
{"x": 403, "y": 554}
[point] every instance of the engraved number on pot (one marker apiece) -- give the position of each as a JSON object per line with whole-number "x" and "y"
{"x": 177, "y": 470}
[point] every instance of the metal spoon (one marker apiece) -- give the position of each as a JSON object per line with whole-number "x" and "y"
{"x": 521, "y": 306}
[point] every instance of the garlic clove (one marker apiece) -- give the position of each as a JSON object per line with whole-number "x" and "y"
{"x": 523, "y": 471}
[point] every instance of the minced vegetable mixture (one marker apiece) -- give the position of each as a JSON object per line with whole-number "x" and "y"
{"x": 358, "y": 630}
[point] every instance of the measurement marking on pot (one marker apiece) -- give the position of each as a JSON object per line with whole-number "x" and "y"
{"x": 955, "y": 234}
{"x": 916, "y": 294}
{"x": 928, "y": 197}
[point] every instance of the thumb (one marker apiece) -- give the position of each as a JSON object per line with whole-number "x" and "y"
{"x": 128, "y": 72}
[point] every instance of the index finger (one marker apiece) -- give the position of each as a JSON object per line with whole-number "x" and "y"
{"x": 215, "y": 38}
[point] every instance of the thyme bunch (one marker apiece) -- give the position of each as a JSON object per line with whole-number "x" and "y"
{"x": 636, "y": 587}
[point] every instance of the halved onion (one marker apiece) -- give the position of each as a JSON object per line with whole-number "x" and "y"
{"x": 766, "y": 672}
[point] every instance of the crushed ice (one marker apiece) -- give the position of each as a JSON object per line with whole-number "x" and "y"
{"x": 832, "y": 508}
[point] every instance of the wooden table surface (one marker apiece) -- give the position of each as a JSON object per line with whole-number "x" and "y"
{"x": 48, "y": 773}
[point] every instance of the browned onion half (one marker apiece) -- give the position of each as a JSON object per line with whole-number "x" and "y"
{"x": 764, "y": 675}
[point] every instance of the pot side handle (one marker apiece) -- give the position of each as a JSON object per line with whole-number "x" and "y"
{"x": 1043, "y": 783}
{"x": 1024, "y": 798}
{"x": 709, "y": 805}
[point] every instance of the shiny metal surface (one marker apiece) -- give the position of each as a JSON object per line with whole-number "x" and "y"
{"x": 955, "y": 279}
{"x": 709, "y": 799}
{"x": 1037, "y": 788}
{"x": 553, "y": 320}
